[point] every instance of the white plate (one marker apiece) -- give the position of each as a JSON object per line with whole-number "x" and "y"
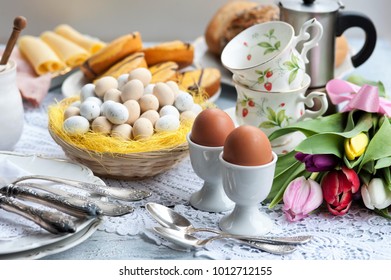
{"x": 203, "y": 58}
{"x": 36, "y": 241}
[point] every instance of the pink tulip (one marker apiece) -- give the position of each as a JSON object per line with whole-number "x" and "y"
{"x": 301, "y": 197}
{"x": 338, "y": 187}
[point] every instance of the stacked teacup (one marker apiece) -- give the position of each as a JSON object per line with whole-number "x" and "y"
{"x": 270, "y": 78}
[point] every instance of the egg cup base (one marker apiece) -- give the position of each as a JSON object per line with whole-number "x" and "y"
{"x": 246, "y": 220}
{"x": 211, "y": 198}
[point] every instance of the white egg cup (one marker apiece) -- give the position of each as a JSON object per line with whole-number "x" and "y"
{"x": 205, "y": 162}
{"x": 247, "y": 186}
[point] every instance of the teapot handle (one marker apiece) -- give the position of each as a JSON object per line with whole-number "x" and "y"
{"x": 304, "y": 35}
{"x": 352, "y": 19}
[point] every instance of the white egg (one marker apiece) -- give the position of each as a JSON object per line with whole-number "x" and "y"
{"x": 133, "y": 89}
{"x": 90, "y": 110}
{"x": 105, "y": 83}
{"x": 116, "y": 113}
{"x": 149, "y": 89}
{"x": 76, "y": 125}
{"x": 95, "y": 99}
{"x": 88, "y": 90}
{"x": 174, "y": 86}
{"x": 142, "y": 129}
{"x": 122, "y": 80}
{"x": 187, "y": 116}
{"x": 169, "y": 110}
{"x": 167, "y": 123}
{"x": 184, "y": 101}
{"x": 196, "y": 108}
{"x": 142, "y": 74}
{"x": 164, "y": 94}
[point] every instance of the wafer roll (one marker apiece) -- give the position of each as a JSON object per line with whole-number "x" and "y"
{"x": 41, "y": 57}
{"x": 90, "y": 44}
{"x": 126, "y": 65}
{"x": 72, "y": 54}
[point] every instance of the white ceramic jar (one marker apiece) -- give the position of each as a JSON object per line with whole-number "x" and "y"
{"x": 11, "y": 108}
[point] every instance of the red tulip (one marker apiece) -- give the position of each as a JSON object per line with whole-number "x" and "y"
{"x": 338, "y": 187}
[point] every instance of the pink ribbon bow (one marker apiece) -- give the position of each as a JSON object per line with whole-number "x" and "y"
{"x": 365, "y": 98}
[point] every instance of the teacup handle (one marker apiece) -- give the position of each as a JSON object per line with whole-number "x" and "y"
{"x": 304, "y": 35}
{"x": 309, "y": 100}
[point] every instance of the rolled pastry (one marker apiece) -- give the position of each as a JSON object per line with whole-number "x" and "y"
{"x": 90, "y": 44}
{"x": 133, "y": 61}
{"x": 72, "y": 54}
{"x": 41, "y": 57}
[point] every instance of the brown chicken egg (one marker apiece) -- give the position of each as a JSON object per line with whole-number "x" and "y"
{"x": 247, "y": 146}
{"x": 211, "y": 127}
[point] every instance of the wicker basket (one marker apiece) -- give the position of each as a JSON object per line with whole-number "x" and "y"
{"x": 124, "y": 166}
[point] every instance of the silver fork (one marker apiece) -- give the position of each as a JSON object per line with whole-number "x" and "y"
{"x": 114, "y": 192}
{"x": 107, "y": 208}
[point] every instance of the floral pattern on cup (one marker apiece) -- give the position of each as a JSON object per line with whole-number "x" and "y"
{"x": 266, "y": 78}
{"x": 271, "y": 45}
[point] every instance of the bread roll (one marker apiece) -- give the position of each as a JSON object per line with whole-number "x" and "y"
{"x": 41, "y": 57}
{"x": 234, "y": 17}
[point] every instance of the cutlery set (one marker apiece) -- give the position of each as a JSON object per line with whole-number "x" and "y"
{"x": 69, "y": 205}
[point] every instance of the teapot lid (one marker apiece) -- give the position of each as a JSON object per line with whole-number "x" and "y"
{"x": 311, "y": 6}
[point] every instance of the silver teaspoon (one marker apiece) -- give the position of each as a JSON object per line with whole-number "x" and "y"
{"x": 189, "y": 241}
{"x": 170, "y": 219}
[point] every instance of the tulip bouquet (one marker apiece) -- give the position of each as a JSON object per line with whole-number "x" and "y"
{"x": 345, "y": 157}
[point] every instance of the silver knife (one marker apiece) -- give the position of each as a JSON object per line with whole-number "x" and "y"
{"x": 54, "y": 222}
{"x": 73, "y": 207}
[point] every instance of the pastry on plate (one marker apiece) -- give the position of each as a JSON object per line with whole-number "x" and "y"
{"x": 133, "y": 61}
{"x": 205, "y": 78}
{"x": 115, "y": 51}
{"x": 176, "y": 51}
{"x": 165, "y": 71}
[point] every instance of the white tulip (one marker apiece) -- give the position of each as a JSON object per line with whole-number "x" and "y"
{"x": 376, "y": 195}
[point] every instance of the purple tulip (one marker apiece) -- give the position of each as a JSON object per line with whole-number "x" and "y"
{"x": 301, "y": 197}
{"x": 318, "y": 162}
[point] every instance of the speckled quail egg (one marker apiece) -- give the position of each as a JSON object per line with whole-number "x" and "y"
{"x": 90, "y": 110}
{"x": 196, "y": 108}
{"x": 122, "y": 80}
{"x": 184, "y": 101}
{"x": 167, "y": 123}
{"x": 169, "y": 110}
{"x": 86, "y": 91}
{"x": 76, "y": 125}
{"x": 116, "y": 113}
{"x": 94, "y": 99}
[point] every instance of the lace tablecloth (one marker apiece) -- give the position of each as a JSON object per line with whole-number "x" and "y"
{"x": 358, "y": 235}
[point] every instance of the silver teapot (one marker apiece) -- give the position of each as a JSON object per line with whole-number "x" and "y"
{"x": 334, "y": 22}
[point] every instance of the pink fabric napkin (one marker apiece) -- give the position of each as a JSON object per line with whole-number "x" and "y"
{"x": 32, "y": 87}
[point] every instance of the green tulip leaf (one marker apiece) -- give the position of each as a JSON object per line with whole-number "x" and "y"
{"x": 383, "y": 162}
{"x": 324, "y": 143}
{"x": 331, "y": 123}
{"x": 379, "y": 146}
{"x": 387, "y": 177}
